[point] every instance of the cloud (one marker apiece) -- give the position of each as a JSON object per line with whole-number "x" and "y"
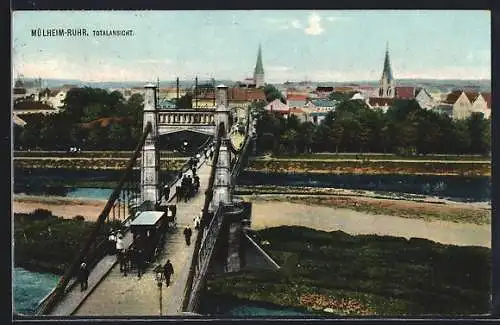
{"x": 284, "y": 23}
{"x": 296, "y": 24}
{"x": 278, "y": 68}
{"x": 314, "y": 27}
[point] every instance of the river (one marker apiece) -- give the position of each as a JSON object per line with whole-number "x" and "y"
{"x": 30, "y": 287}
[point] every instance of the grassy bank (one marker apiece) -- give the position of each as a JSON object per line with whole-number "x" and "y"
{"x": 371, "y": 156}
{"x": 373, "y": 167}
{"x": 43, "y": 242}
{"x": 89, "y": 164}
{"x": 364, "y": 275}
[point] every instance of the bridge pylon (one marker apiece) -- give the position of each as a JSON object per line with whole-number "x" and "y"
{"x": 150, "y": 159}
{"x": 222, "y": 181}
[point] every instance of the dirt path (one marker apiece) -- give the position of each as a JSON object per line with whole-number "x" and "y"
{"x": 60, "y": 206}
{"x": 272, "y": 214}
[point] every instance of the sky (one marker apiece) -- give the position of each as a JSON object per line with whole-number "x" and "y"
{"x": 296, "y": 45}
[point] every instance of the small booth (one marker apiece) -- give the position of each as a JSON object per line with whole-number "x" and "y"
{"x": 148, "y": 230}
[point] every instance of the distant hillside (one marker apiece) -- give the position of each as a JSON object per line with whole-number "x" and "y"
{"x": 54, "y": 83}
{"x": 433, "y": 84}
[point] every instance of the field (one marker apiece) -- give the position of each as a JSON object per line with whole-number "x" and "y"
{"x": 338, "y": 274}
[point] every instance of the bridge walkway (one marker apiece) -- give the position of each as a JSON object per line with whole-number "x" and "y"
{"x": 74, "y": 297}
{"x": 117, "y": 295}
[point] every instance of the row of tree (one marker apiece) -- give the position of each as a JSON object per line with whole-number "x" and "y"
{"x": 354, "y": 127}
{"x": 74, "y": 127}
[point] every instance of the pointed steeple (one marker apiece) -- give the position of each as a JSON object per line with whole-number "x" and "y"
{"x": 387, "y": 80}
{"x": 258, "y": 74}
{"x": 259, "y": 69}
{"x": 387, "y": 65}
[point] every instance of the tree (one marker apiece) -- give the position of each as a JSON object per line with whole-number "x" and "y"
{"x": 273, "y": 93}
{"x": 335, "y": 135}
{"x": 290, "y": 140}
{"x": 306, "y": 136}
{"x": 461, "y": 138}
{"x": 185, "y": 102}
{"x": 478, "y": 131}
{"x": 118, "y": 136}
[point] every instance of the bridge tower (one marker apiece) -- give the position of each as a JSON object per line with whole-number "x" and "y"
{"x": 222, "y": 181}
{"x": 150, "y": 164}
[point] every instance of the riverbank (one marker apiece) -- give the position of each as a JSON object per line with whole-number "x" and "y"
{"x": 45, "y": 242}
{"x": 344, "y": 275}
{"x": 373, "y": 167}
{"x": 89, "y": 163}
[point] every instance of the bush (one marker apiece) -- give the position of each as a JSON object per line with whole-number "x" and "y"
{"x": 79, "y": 218}
{"x": 41, "y": 214}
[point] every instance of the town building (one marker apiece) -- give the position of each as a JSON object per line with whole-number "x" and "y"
{"x": 424, "y": 98}
{"x": 460, "y": 104}
{"x": 380, "y": 103}
{"x": 296, "y": 100}
{"x": 323, "y": 105}
{"x": 277, "y": 106}
{"x": 386, "y": 88}
{"x": 316, "y": 117}
{"x": 299, "y": 113}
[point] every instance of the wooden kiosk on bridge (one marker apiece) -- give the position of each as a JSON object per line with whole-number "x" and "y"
{"x": 148, "y": 230}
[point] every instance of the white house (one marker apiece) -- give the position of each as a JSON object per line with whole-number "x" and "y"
{"x": 482, "y": 104}
{"x": 462, "y": 104}
{"x": 424, "y": 99}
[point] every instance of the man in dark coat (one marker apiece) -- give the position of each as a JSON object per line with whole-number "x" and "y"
{"x": 140, "y": 262}
{"x": 168, "y": 270}
{"x": 178, "y": 193}
{"x": 84, "y": 276}
{"x": 187, "y": 235}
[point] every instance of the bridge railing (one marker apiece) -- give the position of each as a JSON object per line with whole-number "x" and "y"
{"x": 58, "y": 293}
{"x": 203, "y": 117}
{"x": 202, "y": 261}
{"x": 188, "y": 296}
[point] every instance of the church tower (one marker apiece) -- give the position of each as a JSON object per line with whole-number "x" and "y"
{"x": 387, "y": 81}
{"x": 258, "y": 74}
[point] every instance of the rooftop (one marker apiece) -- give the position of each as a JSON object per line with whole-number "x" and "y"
{"x": 147, "y": 218}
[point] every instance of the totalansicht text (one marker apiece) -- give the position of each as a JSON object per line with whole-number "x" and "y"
{"x": 79, "y": 32}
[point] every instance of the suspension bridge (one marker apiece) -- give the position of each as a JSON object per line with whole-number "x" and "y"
{"x": 140, "y": 189}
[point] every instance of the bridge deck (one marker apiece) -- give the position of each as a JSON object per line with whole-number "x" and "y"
{"x": 117, "y": 295}
{"x": 74, "y": 296}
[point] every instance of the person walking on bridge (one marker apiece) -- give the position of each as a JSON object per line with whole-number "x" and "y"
{"x": 84, "y": 276}
{"x": 140, "y": 262}
{"x": 168, "y": 270}
{"x": 187, "y": 235}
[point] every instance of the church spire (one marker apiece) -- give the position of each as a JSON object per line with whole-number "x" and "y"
{"x": 258, "y": 73}
{"x": 387, "y": 80}
{"x": 387, "y": 65}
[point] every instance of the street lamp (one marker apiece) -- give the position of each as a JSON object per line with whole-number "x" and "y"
{"x": 159, "y": 281}
{"x": 185, "y": 145}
